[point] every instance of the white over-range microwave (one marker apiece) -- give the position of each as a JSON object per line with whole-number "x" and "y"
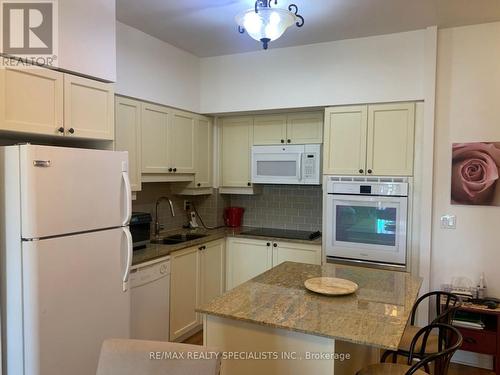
{"x": 291, "y": 165}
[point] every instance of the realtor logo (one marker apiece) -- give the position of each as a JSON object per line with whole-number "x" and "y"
{"x": 29, "y": 29}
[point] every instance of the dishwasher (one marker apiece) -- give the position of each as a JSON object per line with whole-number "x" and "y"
{"x": 150, "y": 300}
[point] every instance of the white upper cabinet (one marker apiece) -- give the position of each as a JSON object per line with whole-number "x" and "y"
{"x": 344, "y": 150}
{"x": 204, "y": 153}
{"x": 390, "y": 146}
{"x": 128, "y": 136}
{"x": 304, "y": 128}
{"x": 88, "y": 108}
{"x": 292, "y": 128}
{"x": 43, "y": 101}
{"x": 154, "y": 130}
{"x": 181, "y": 139}
{"x": 369, "y": 140}
{"x": 31, "y": 101}
{"x": 87, "y": 37}
{"x": 236, "y": 139}
{"x": 269, "y": 129}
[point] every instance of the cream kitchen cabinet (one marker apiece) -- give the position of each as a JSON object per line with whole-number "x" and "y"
{"x": 168, "y": 143}
{"x": 181, "y": 142}
{"x": 293, "y": 128}
{"x": 184, "y": 291}
{"x": 197, "y": 276}
{"x": 88, "y": 108}
{"x": 390, "y": 145}
{"x": 31, "y": 101}
{"x": 212, "y": 270}
{"x": 344, "y": 150}
{"x": 369, "y": 140}
{"x": 204, "y": 140}
{"x": 269, "y": 129}
{"x": 247, "y": 258}
{"x": 128, "y": 136}
{"x": 304, "y": 128}
{"x": 236, "y": 141}
{"x": 154, "y": 131}
{"x": 296, "y": 252}
{"x": 43, "y": 101}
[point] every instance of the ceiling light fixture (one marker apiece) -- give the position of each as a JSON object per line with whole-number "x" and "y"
{"x": 266, "y": 24}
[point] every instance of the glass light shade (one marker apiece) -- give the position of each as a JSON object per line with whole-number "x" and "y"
{"x": 268, "y": 23}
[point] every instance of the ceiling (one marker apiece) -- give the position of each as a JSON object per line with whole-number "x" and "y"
{"x": 207, "y": 27}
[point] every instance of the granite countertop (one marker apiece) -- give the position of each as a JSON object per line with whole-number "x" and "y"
{"x": 153, "y": 251}
{"x": 376, "y": 315}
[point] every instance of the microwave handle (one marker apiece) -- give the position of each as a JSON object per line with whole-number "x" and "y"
{"x": 300, "y": 166}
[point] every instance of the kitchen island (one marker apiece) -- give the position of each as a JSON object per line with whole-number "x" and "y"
{"x": 273, "y": 325}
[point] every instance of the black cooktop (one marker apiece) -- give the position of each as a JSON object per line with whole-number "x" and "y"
{"x": 283, "y": 233}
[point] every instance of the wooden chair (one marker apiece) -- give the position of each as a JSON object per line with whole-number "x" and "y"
{"x": 137, "y": 357}
{"x": 446, "y": 306}
{"x": 448, "y": 342}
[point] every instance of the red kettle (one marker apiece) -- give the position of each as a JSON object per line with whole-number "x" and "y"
{"x": 233, "y": 216}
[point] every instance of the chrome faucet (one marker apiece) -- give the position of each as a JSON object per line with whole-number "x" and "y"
{"x": 158, "y": 227}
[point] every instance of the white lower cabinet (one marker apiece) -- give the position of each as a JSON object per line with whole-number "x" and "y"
{"x": 197, "y": 276}
{"x": 296, "y": 252}
{"x": 247, "y": 258}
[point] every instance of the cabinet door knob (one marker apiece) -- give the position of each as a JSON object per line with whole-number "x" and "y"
{"x": 175, "y": 169}
{"x": 361, "y": 171}
{"x": 282, "y": 141}
{"x": 268, "y": 244}
{"x": 170, "y": 169}
{"x": 60, "y": 129}
{"x": 275, "y": 245}
{"x": 249, "y": 184}
{"x": 71, "y": 130}
{"x": 198, "y": 184}
{"x": 370, "y": 171}
{"x": 289, "y": 141}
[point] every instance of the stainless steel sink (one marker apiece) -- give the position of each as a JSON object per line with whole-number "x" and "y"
{"x": 177, "y": 238}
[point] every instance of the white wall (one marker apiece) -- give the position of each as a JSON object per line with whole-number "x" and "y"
{"x": 366, "y": 70}
{"x": 467, "y": 109}
{"x": 87, "y": 38}
{"x": 150, "y": 69}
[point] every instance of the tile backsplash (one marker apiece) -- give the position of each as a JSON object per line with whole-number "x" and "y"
{"x": 210, "y": 207}
{"x": 296, "y": 207}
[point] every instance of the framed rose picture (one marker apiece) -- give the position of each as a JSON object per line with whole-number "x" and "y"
{"x": 475, "y": 173}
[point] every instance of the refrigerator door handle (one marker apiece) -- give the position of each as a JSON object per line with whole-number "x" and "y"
{"x": 128, "y": 198}
{"x": 129, "y": 258}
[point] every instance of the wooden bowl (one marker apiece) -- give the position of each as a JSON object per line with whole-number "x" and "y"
{"x": 331, "y": 286}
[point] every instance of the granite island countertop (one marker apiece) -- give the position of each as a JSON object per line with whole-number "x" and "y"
{"x": 154, "y": 251}
{"x": 376, "y": 315}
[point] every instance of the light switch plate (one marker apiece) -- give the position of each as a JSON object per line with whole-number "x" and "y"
{"x": 448, "y": 222}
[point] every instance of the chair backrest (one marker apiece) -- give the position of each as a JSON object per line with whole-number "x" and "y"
{"x": 449, "y": 341}
{"x": 137, "y": 357}
{"x": 446, "y": 305}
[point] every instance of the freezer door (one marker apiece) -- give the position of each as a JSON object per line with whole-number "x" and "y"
{"x": 73, "y": 300}
{"x": 68, "y": 190}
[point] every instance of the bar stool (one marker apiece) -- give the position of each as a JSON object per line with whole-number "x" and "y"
{"x": 449, "y": 341}
{"x": 446, "y": 306}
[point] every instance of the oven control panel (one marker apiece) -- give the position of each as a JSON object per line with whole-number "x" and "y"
{"x": 388, "y": 188}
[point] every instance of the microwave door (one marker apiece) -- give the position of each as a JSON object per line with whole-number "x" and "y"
{"x": 275, "y": 168}
{"x": 367, "y": 228}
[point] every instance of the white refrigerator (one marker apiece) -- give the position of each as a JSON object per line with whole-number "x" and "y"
{"x": 66, "y": 253}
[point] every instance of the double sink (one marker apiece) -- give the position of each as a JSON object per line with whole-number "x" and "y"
{"x": 177, "y": 239}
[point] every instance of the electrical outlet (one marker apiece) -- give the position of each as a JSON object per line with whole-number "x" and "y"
{"x": 448, "y": 222}
{"x": 187, "y": 205}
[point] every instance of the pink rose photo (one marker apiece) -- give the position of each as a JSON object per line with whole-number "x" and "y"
{"x": 475, "y": 173}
